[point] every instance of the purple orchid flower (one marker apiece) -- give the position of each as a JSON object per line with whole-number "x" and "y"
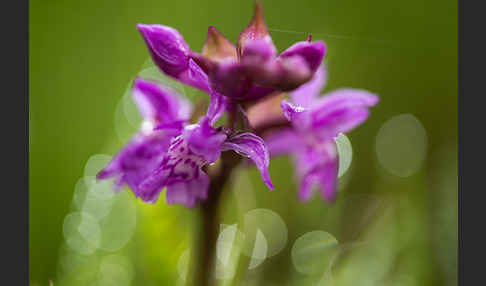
{"x": 170, "y": 152}
{"x": 315, "y": 123}
{"x": 249, "y": 71}
{"x": 159, "y": 107}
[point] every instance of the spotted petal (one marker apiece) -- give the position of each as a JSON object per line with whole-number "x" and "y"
{"x": 188, "y": 192}
{"x": 204, "y": 140}
{"x": 137, "y": 160}
{"x": 179, "y": 171}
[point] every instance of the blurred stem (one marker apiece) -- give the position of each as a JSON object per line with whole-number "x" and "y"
{"x": 210, "y": 220}
{"x": 209, "y": 209}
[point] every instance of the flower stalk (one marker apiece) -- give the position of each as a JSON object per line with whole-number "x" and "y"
{"x": 210, "y": 221}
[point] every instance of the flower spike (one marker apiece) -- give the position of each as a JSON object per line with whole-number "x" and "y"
{"x": 175, "y": 144}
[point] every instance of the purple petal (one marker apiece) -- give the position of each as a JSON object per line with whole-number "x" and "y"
{"x": 150, "y": 187}
{"x": 307, "y": 183}
{"x": 328, "y": 179}
{"x": 290, "y": 111}
{"x": 283, "y": 142}
{"x": 174, "y": 125}
{"x": 230, "y": 79}
{"x": 195, "y": 76}
{"x": 308, "y": 93}
{"x": 204, "y": 140}
{"x": 257, "y": 29}
{"x": 258, "y": 92}
{"x": 217, "y": 106}
{"x": 313, "y": 53}
{"x": 138, "y": 159}
{"x": 325, "y": 177}
{"x": 160, "y": 104}
{"x": 318, "y": 165}
{"x": 258, "y": 57}
{"x": 170, "y": 53}
{"x": 188, "y": 192}
{"x": 255, "y": 76}
{"x": 279, "y": 73}
{"x": 167, "y": 47}
{"x": 253, "y": 147}
{"x": 259, "y": 49}
{"x": 179, "y": 171}
{"x": 341, "y": 111}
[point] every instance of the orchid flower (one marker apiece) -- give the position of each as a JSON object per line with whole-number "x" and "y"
{"x": 170, "y": 152}
{"x": 159, "y": 106}
{"x": 315, "y": 123}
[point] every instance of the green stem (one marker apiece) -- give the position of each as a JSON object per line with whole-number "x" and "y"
{"x": 210, "y": 221}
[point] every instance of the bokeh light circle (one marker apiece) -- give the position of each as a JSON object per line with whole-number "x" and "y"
{"x": 95, "y": 163}
{"x": 99, "y": 197}
{"x": 123, "y": 128}
{"x": 314, "y": 252}
{"x": 260, "y": 250}
{"x": 345, "y": 152}
{"x": 265, "y": 233}
{"x": 115, "y": 270}
{"x": 118, "y": 227}
{"x": 183, "y": 264}
{"x": 227, "y": 239}
{"x": 82, "y": 232}
{"x": 228, "y": 249}
{"x": 401, "y": 145}
{"x": 80, "y": 192}
{"x": 130, "y": 109}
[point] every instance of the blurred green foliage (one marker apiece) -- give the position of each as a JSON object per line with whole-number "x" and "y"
{"x": 392, "y": 230}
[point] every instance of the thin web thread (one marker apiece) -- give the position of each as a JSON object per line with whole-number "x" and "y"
{"x": 340, "y": 37}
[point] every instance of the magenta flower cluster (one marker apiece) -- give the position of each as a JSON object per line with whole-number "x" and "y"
{"x": 170, "y": 151}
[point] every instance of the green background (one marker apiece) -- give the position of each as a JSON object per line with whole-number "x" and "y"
{"x": 83, "y": 55}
